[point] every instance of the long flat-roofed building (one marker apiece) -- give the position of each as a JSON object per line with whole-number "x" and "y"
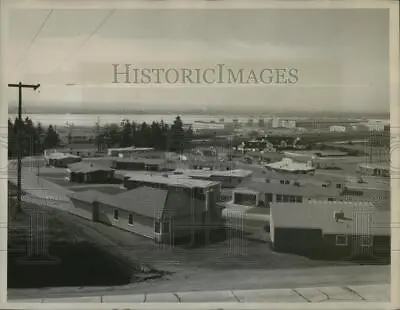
{"x": 128, "y": 151}
{"x": 143, "y": 164}
{"x": 264, "y": 194}
{"x": 331, "y": 229}
{"x": 228, "y": 178}
{"x": 61, "y": 160}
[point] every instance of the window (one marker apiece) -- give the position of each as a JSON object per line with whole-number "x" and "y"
{"x": 287, "y": 182}
{"x": 331, "y": 199}
{"x": 366, "y": 241}
{"x": 338, "y": 185}
{"x": 279, "y": 198}
{"x": 292, "y": 198}
{"x": 324, "y": 185}
{"x": 282, "y": 182}
{"x": 285, "y": 198}
{"x": 130, "y": 219}
{"x": 299, "y": 199}
{"x": 157, "y": 227}
{"x": 341, "y": 240}
{"x": 116, "y": 215}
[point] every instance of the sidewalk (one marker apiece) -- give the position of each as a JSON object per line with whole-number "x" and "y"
{"x": 356, "y": 293}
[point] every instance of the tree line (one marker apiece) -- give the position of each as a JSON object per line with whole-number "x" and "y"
{"x": 161, "y": 136}
{"x": 34, "y": 138}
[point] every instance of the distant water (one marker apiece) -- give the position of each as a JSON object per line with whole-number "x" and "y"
{"x": 92, "y": 119}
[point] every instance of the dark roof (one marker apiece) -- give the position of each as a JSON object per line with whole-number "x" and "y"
{"x": 88, "y": 196}
{"x": 146, "y": 201}
{"x": 143, "y": 200}
{"x": 85, "y": 167}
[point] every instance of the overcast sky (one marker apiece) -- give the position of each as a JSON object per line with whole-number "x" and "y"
{"x": 342, "y": 56}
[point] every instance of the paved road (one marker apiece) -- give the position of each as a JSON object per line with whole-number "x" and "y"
{"x": 365, "y": 294}
{"x": 204, "y": 280}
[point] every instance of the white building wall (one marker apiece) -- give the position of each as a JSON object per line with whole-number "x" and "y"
{"x": 337, "y": 129}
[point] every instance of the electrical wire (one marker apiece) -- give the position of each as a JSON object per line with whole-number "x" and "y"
{"x": 105, "y": 19}
{"x": 32, "y": 42}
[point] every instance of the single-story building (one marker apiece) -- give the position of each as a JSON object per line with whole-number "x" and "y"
{"x": 210, "y": 163}
{"x": 228, "y": 178}
{"x": 128, "y": 151}
{"x": 61, "y": 160}
{"x": 160, "y": 214}
{"x": 81, "y": 150}
{"x": 143, "y": 164}
{"x": 376, "y": 193}
{"x": 330, "y": 229}
{"x": 262, "y": 194}
{"x": 381, "y": 170}
{"x": 83, "y": 172}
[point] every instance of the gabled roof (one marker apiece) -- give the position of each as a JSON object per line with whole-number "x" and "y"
{"x": 146, "y": 201}
{"x": 88, "y": 196}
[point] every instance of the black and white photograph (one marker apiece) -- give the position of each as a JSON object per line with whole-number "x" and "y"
{"x": 198, "y": 154}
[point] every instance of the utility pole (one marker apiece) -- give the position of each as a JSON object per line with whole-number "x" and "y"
{"x": 19, "y": 129}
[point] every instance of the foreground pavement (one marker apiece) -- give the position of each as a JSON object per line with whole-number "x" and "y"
{"x": 353, "y": 293}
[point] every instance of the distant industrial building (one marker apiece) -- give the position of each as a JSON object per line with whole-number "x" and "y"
{"x": 330, "y": 229}
{"x": 228, "y": 178}
{"x": 337, "y": 128}
{"x": 283, "y": 123}
{"x": 83, "y": 172}
{"x": 61, "y": 160}
{"x": 381, "y": 170}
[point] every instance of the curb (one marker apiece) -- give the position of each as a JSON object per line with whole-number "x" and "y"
{"x": 356, "y": 293}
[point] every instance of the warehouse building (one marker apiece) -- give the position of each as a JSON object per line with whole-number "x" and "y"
{"x": 330, "y": 229}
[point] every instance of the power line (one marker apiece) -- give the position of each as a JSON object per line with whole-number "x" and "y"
{"x": 44, "y": 22}
{"x": 106, "y": 18}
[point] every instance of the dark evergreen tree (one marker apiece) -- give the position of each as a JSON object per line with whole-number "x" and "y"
{"x": 51, "y": 138}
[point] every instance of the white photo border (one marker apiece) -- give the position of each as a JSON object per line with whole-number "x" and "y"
{"x": 391, "y": 5}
